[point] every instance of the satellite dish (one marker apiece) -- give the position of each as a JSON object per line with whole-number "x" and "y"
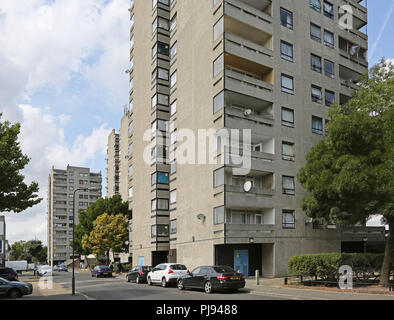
{"x": 201, "y": 216}
{"x": 248, "y": 186}
{"x": 248, "y": 112}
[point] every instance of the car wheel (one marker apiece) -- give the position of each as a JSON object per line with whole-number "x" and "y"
{"x": 15, "y": 293}
{"x": 127, "y": 278}
{"x": 180, "y": 285}
{"x": 164, "y": 282}
{"x": 208, "y": 287}
{"x": 137, "y": 280}
{"x": 150, "y": 281}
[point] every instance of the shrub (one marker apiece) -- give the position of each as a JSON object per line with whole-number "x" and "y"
{"x": 326, "y": 265}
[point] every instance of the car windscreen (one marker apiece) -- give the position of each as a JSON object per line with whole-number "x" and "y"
{"x": 223, "y": 269}
{"x": 146, "y": 268}
{"x": 178, "y": 267}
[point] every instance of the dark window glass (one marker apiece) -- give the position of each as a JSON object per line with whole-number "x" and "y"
{"x": 286, "y": 18}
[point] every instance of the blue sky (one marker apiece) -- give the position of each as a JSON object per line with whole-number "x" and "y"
{"x": 62, "y": 76}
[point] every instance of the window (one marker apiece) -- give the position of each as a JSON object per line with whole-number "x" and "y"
{"x": 218, "y": 215}
{"x": 315, "y": 5}
{"x": 329, "y": 69}
{"x": 160, "y": 230}
{"x": 173, "y": 137}
{"x": 130, "y": 192}
{"x": 160, "y": 48}
{"x": 132, "y": 42}
{"x": 286, "y": 18}
{"x": 160, "y": 73}
{"x": 173, "y": 227}
{"x": 288, "y": 152}
{"x": 71, "y": 180}
{"x": 288, "y": 219}
{"x": 329, "y": 98}
{"x": 218, "y": 65}
{"x": 130, "y": 149}
{"x": 287, "y": 84}
{"x": 160, "y": 23}
{"x": 317, "y": 94}
{"x": 218, "y": 29}
{"x": 173, "y": 22}
{"x": 238, "y": 218}
{"x": 316, "y": 63}
{"x": 159, "y": 204}
{"x": 329, "y": 39}
{"x": 218, "y": 177}
{"x": 130, "y": 171}
{"x": 174, "y": 50}
{"x": 317, "y": 125}
{"x": 315, "y": 32}
{"x": 173, "y": 79}
{"x": 218, "y": 102}
{"x": 131, "y": 83}
{"x": 161, "y": 99}
{"x": 173, "y": 108}
{"x": 159, "y": 177}
{"x": 287, "y": 117}
{"x": 173, "y": 196}
{"x": 288, "y": 185}
{"x": 328, "y": 10}
{"x": 173, "y": 167}
{"x": 160, "y": 125}
{"x": 286, "y": 51}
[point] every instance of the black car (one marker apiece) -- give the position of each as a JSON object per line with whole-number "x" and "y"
{"x": 8, "y": 274}
{"x": 212, "y": 278}
{"x": 138, "y": 274}
{"x": 101, "y": 271}
{"x": 14, "y": 289}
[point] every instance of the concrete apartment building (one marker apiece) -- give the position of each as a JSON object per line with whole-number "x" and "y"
{"x": 117, "y": 160}
{"x": 62, "y": 186}
{"x": 270, "y": 66}
{"x": 113, "y": 164}
{"x": 3, "y": 242}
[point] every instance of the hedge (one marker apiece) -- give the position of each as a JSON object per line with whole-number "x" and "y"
{"x": 326, "y": 265}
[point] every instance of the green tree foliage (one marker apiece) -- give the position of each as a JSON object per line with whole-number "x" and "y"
{"x": 112, "y": 206}
{"x": 350, "y": 175}
{"x": 15, "y": 195}
{"x": 32, "y": 251}
{"x": 110, "y": 232}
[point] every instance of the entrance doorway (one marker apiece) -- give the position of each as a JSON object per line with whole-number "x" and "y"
{"x": 241, "y": 262}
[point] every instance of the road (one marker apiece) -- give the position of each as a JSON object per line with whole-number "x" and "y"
{"x": 119, "y": 289}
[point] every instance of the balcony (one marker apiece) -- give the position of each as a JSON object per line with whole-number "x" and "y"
{"x": 241, "y": 233}
{"x": 241, "y": 47}
{"x": 255, "y": 14}
{"x": 243, "y": 83}
{"x": 349, "y": 80}
{"x": 359, "y": 13}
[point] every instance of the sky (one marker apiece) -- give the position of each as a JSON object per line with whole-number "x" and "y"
{"x": 62, "y": 76}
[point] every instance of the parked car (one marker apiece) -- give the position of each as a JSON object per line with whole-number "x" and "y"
{"x": 14, "y": 289}
{"x": 166, "y": 273}
{"x": 60, "y": 267}
{"x": 45, "y": 271}
{"x": 138, "y": 274}
{"x": 8, "y": 274}
{"x": 212, "y": 278}
{"x": 101, "y": 271}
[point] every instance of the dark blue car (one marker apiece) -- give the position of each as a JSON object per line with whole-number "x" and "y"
{"x": 14, "y": 289}
{"x": 101, "y": 271}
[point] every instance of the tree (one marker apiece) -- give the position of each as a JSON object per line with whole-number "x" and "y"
{"x": 113, "y": 206}
{"x": 15, "y": 195}
{"x": 32, "y": 251}
{"x": 110, "y": 232}
{"x": 350, "y": 175}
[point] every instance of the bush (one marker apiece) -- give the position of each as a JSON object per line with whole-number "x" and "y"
{"x": 326, "y": 265}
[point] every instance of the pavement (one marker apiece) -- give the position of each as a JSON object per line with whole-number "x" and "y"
{"x": 117, "y": 288}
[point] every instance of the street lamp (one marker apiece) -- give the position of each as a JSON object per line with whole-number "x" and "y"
{"x": 73, "y": 275}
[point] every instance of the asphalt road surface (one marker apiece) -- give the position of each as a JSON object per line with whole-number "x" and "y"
{"x": 118, "y": 288}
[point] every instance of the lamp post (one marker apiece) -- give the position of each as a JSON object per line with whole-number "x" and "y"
{"x": 73, "y": 274}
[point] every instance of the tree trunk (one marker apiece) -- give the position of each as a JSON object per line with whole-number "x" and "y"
{"x": 386, "y": 266}
{"x": 108, "y": 257}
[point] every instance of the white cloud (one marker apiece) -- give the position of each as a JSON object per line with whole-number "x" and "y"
{"x": 43, "y": 140}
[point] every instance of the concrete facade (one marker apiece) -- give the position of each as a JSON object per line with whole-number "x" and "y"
{"x": 234, "y": 64}
{"x": 113, "y": 164}
{"x": 61, "y": 187}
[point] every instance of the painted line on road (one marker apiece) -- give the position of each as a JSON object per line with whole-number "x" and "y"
{"x": 85, "y": 296}
{"x": 278, "y": 295}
